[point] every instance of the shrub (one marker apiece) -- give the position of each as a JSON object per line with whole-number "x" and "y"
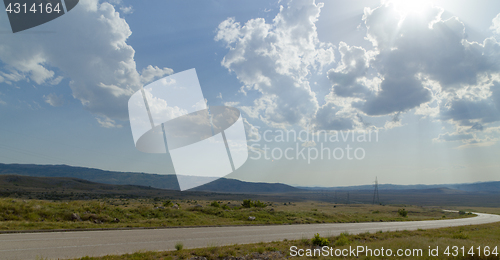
{"x": 168, "y": 203}
{"x": 179, "y": 246}
{"x": 250, "y": 203}
{"x": 461, "y": 212}
{"x": 246, "y": 204}
{"x": 259, "y": 204}
{"x": 403, "y": 213}
{"x": 342, "y": 240}
{"x": 319, "y": 241}
{"x": 225, "y": 206}
{"x": 460, "y": 235}
{"x": 215, "y": 204}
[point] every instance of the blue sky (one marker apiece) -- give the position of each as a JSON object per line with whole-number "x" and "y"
{"x": 427, "y": 78}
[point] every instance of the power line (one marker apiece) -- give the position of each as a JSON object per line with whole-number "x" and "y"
{"x": 375, "y": 192}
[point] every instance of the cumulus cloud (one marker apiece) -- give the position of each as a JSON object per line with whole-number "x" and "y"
{"x": 89, "y": 48}
{"x": 54, "y": 99}
{"x": 276, "y": 59}
{"x": 496, "y": 24}
{"x": 107, "y": 122}
{"x": 417, "y": 62}
{"x": 423, "y": 62}
{"x": 454, "y": 137}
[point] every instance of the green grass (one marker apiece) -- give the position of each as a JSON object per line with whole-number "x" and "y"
{"x": 17, "y": 214}
{"x": 478, "y": 235}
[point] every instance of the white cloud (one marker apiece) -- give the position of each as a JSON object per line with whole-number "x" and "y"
{"x": 160, "y": 109}
{"x": 277, "y": 59}
{"x": 418, "y": 62}
{"x": 423, "y": 63}
{"x": 127, "y": 9}
{"x": 54, "y": 100}
{"x": 496, "y": 24}
{"x": 90, "y": 49}
{"x": 107, "y": 122}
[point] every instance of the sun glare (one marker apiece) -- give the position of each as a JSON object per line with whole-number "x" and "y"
{"x": 410, "y": 6}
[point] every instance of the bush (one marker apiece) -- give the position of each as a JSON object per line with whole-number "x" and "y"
{"x": 403, "y": 213}
{"x": 461, "y": 212}
{"x": 215, "y": 204}
{"x": 460, "y": 235}
{"x": 342, "y": 240}
{"x": 319, "y": 241}
{"x": 246, "y": 204}
{"x": 259, "y": 204}
{"x": 250, "y": 203}
{"x": 179, "y": 246}
{"x": 225, "y": 206}
{"x": 168, "y": 203}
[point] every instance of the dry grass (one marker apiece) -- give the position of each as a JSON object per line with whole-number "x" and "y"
{"x": 16, "y": 214}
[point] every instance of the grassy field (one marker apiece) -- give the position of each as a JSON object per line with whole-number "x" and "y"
{"x": 467, "y": 236}
{"x": 19, "y": 214}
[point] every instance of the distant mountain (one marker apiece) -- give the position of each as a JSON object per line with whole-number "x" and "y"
{"x": 95, "y": 175}
{"x": 237, "y": 186}
{"x": 51, "y": 184}
{"x": 143, "y": 179}
{"x": 485, "y": 187}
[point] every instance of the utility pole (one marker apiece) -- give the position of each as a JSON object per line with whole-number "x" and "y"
{"x": 375, "y": 193}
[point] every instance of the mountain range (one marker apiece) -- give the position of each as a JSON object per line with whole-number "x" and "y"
{"x": 169, "y": 181}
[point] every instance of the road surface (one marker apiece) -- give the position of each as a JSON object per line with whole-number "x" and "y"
{"x": 54, "y": 245}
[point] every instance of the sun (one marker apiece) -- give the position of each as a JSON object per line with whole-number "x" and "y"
{"x": 411, "y": 6}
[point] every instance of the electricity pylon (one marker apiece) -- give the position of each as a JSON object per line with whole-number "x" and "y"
{"x": 375, "y": 193}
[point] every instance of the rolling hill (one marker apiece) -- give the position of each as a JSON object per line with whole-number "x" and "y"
{"x": 168, "y": 182}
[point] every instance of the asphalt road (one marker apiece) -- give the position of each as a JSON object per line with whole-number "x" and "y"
{"x": 63, "y": 245}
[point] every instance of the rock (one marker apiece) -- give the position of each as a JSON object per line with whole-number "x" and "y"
{"x": 198, "y": 206}
{"x": 97, "y": 221}
{"x": 271, "y": 210}
{"x": 116, "y": 220}
{"x": 175, "y": 206}
{"x": 251, "y": 218}
{"x": 75, "y": 216}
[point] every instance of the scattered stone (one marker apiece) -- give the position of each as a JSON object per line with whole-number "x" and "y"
{"x": 175, "y": 206}
{"x": 116, "y": 220}
{"x": 97, "y": 221}
{"x": 75, "y": 216}
{"x": 198, "y": 206}
{"x": 271, "y": 210}
{"x": 251, "y": 218}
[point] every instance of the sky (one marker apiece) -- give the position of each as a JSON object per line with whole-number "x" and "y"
{"x": 422, "y": 78}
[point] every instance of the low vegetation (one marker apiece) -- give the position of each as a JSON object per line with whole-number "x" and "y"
{"x": 18, "y": 214}
{"x": 466, "y": 236}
